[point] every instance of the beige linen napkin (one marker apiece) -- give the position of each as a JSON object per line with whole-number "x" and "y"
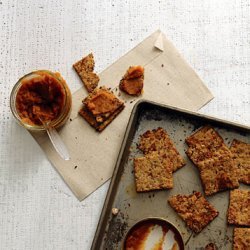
{"x": 168, "y": 80}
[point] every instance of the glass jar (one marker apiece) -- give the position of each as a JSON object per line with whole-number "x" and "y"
{"x": 34, "y": 87}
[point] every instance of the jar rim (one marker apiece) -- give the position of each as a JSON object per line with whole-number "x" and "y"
{"x": 17, "y": 86}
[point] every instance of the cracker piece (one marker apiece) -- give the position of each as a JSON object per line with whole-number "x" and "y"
{"x": 99, "y": 126}
{"x": 241, "y": 239}
{"x": 158, "y": 140}
{"x": 206, "y": 136}
{"x": 100, "y": 108}
{"x": 84, "y": 69}
{"x": 241, "y": 154}
{"x": 132, "y": 81}
{"x": 151, "y": 173}
{"x": 239, "y": 208}
{"x": 218, "y": 173}
{"x": 194, "y": 209}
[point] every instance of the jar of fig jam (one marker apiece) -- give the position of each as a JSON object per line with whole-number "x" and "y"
{"x": 41, "y": 97}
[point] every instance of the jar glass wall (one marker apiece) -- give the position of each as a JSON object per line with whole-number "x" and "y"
{"x": 41, "y": 93}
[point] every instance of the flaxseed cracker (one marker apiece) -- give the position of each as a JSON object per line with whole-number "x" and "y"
{"x": 218, "y": 173}
{"x": 241, "y": 154}
{"x": 84, "y": 69}
{"x": 194, "y": 209}
{"x": 158, "y": 140}
{"x": 151, "y": 173}
{"x": 241, "y": 240}
{"x": 206, "y": 136}
{"x": 239, "y": 208}
{"x": 200, "y": 152}
{"x": 100, "y": 108}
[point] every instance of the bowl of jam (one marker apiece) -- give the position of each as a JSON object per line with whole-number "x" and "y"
{"x": 153, "y": 233}
{"x": 41, "y": 97}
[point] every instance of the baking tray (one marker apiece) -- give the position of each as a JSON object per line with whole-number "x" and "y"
{"x": 136, "y": 206}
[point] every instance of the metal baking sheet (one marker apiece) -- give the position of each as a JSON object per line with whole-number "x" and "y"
{"x": 136, "y": 206}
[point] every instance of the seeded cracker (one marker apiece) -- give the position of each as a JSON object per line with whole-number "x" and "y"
{"x": 200, "y": 152}
{"x": 218, "y": 170}
{"x": 206, "y": 136}
{"x": 241, "y": 239}
{"x": 100, "y": 108}
{"x": 194, "y": 209}
{"x": 151, "y": 173}
{"x": 158, "y": 140}
{"x": 241, "y": 154}
{"x": 84, "y": 69}
{"x": 218, "y": 173}
{"x": 239, "y": 208}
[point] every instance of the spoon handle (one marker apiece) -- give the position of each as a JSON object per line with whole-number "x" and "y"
{"x": 57, "y": 143}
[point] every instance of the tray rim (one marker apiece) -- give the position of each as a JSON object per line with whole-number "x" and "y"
{"x": 124, "y": 141}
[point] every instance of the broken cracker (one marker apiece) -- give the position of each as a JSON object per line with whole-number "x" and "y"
{"x": 151, "y": 173}
{"x": 84, "y": 69}
{"x": 100, "y": 108}
{"x": 194, "y": 209}
{"x": 132, "y": 81}
{"x": 241, "y": 239}
{"x": 241, "y": 154}
{"x": 158, "y": 140}
{"x": 99, "y": 126}
{"x": 239, "y": 207}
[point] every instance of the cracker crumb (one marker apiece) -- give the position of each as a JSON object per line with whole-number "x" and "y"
{"x": 115, "y": 211}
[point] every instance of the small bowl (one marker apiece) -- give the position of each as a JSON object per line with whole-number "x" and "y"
{"x": 144, "y": 227}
